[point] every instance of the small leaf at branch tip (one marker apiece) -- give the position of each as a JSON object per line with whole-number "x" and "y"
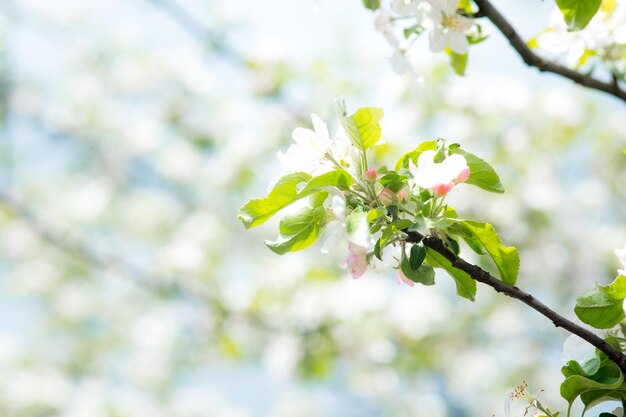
{"x": 287, "y": 190}
{"x": 602, "y": 307}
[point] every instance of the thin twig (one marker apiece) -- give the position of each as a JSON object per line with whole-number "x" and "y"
{"x": 480, "y": 275}
{"x": 542, "y": 64}
{"x": 79, "y": 249}
{"x": 198, "y": 30}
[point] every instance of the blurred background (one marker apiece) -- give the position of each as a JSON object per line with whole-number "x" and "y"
{"x": 133, "y": 130}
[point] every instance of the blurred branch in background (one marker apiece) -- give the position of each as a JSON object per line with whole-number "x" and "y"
{"x": 204, "y": 35}
{"x": 215, "y": 42}
{"x": 82, "y": 251}
{"x": 8, "y": 19}
{"x": 189, "y": 288}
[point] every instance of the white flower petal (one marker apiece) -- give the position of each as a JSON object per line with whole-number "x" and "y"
{"x": 338, "y": 207}
{"x": 438, "y": 5}
{"x": 457, "y": 42}
{"x": 450, "y": 6}
{"x": 507, "y": 403}
{"x": 576, "y": 349}
{"x": 398, "y": 63}
{"x": 426, "y": 159}
{"x": 437, "y": 40}
{"x": 452, "y": 167}
{"x": 335, "y": 231}
{"x": 320, "y": 128}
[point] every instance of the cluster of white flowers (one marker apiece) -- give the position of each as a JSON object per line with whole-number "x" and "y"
{"x": 315, "y": 152}
{"x": 604, "y": 37}
{"x": 447, "y": 28}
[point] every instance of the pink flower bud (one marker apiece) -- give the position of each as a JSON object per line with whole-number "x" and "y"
{"x": 386, "y": 197}
{"x": 463, "y": 176}
{"x": 371, "y": 174}
{"x": 356, "y": 260}
{"x": 403, "y": 195}
{"x": 443, "y": 189}
{"x": 402, "y": 279}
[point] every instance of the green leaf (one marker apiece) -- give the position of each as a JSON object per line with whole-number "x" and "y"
{"x": 299, "y": 231}
{"x": 371, "y": 4}
{"x": 393, "y": 181}
{"x": 578, "y": 13}
{"x": 466, "y": 6}
{"x": 617, "y": 289}
{"x": 424, "y": 275}
{"x": 483, "y": 236}
{"x": 452, "y": 245}
{"x": 458, "y": 62}
{"x": 363, "y": 127}
{"x": 603, "y": 382}
{"x": 417, "y": 256}
{"x": 465, "y": 285}
{"x": 285, "y": 192}
{"x": 375, "y": 214}
{"x": 403, "y": 162}
{"x": 378, "y": 250}
{"x": 602, "y": 307}
{"x": 337, "y": 178}
{"x": 367, "y": 122}
{"x": 482, "y": 174}
{"x": 414, "y": 29}
{"x": 470, "y": 238}
{"x": 402, "y": 224}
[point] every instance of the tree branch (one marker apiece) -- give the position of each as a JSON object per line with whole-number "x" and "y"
{"x": 80, "y": 250}
{"x": 480, "y": 275}
{"x": 532, "y": 59}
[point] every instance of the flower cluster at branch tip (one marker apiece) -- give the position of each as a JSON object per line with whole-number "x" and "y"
{"x": 317, "y": 152}
{"x": 439, "y": 177}
{"x": 380, "y": 216}
{"x": 447, "y": 23}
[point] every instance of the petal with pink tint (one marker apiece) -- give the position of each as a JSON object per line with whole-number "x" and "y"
{"x": 443, "y": 189}
{"x": 402, "y": 279}
{"x": 356, "y": 260}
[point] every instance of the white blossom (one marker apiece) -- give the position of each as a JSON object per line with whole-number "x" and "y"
{"x": 357, "y": 260}
{"x": 576, "y": 349}
{"x": 406, "y": 7}
{"x": 401, "y": 65}
{"x": 336, "y": 225}
{"x": 439, "y": 177}
{"x": 447, "y": 27}
{"x": 310, "y": 149}
{"x": 384, "y": 24}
